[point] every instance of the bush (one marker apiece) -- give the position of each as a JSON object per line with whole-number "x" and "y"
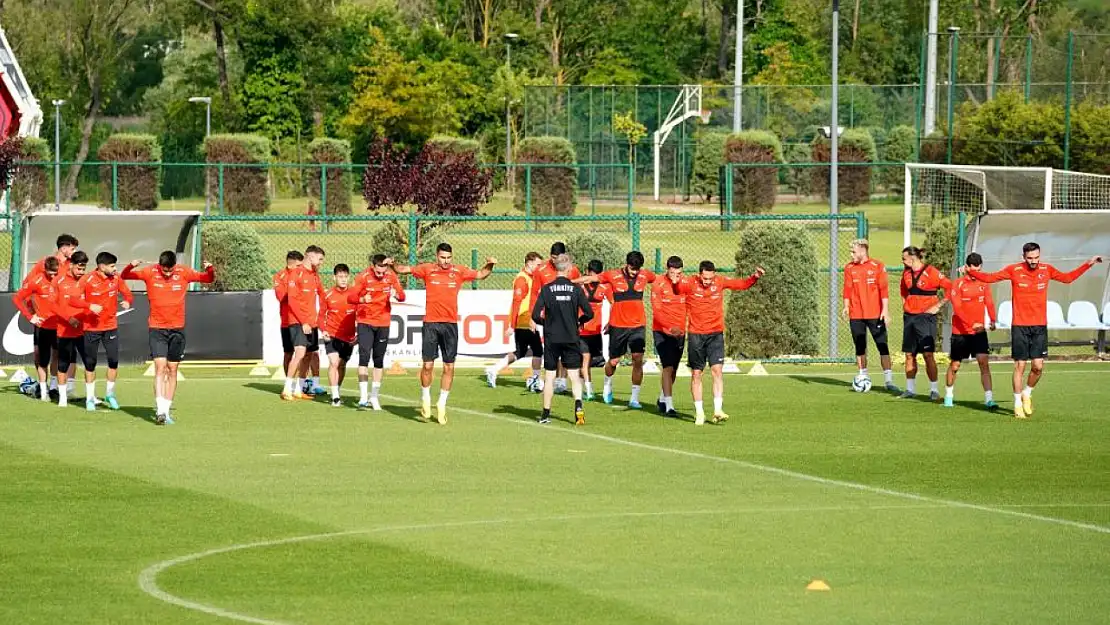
{"x": 456, "y": 145}
{"x": 776, "y": 317}
{"x": 392, "y": 239}
{"x": 934, "y": 148}
{"x": 709, "y": 155}
{"x": 799, "y": 180}
{"x": 137, "y": 186}
{"x": 451, "y": 181}
{"x": 898, "y": 148}
{"x": 589, "y": 245}
{"x": 332, "y": 152}
{"x": 245, "y": 188}
{"x": 30, "y": 183}
{"x": 237, "y": 251}
{"x": 1090, "y": 139}
{"x": 554, "y": 189}
{"x": 753, "y": 188}
{"x": 940, "y": 244}
{"x": 855, "y": 146}
{"x": 1007, "y": 131}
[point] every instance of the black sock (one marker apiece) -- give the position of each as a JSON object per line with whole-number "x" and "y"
{"x": 578, "y": 404}
{"x": 547, "y": 412}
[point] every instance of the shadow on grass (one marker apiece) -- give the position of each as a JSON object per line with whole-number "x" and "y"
{"x": 412, "y": 413}
{"x": 532, "y": 413}
{"x": 144, "y": 413}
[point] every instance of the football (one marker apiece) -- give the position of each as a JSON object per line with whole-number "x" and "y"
{"x": 861, "y": 384}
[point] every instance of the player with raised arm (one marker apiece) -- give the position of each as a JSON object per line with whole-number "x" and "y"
{"x": 626, "y": 321}
{"x": 440, "y": 336}
{"x": 548, "y": 273}
{"x": 310, "y": 364}
{"x": 303, "y": 290}
{"x": 167, "y": 284}
{"x": 867, "y": 307}
{"x": 705, "y": 307}
{"x": 920, "y": 305}
{"x": 66, "y": 245}
{"x": 971, "y": 304}
{"x": 561, "y": 309}
{"x": 590, "y": 340}
{"x": 526, "y": 288}
{"x": 104, "y": 288}
{"x": 293, "y": 260}
{"x": 337, "y": 325}
{"x": 374, "y": 291}
{"x": 1029, "y": 285}
{"x": 70, "y": 307}
{"x": 668, "y": 328}
{"x": 35, "y": 300}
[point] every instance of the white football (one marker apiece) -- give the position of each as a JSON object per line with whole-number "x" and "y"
{"x": 861, "y": 384}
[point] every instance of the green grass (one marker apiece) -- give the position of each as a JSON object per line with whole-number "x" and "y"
{"x": 492, "y": 519}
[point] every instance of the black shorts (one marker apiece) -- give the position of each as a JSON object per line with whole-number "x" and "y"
{"x": 567, "y": 354}
{"x": 594, "y": 346}
{"x": 626, "y": 341}
{"x": 527, "y": 340}
{"x": 310, "y": 341}
{"x": 860, "y": 328}
{"x": 668, "y": 348}
{"x": 47, "y": 342}
{"x": 287, "y": 339}
{"x": 706, "y": 349}
{"x": 69, "y": 350}
{"x": 168, "y": 344}
{"x": 372, "y": 342}
{"x": 919, "y": 334}
{"x": 343, "y": 348}
{"x": 966, "y": 346}
{"x": 441, "y": 340}
{"x": 93, "y": 340}
{"x": 1029, "y": 342}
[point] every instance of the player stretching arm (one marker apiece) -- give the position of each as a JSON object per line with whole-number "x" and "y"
{"x": 35, "y": 299}
{"x": 971, "y": 304}
{"x": 668, "y": 328}
{"x": 374, "y": 292}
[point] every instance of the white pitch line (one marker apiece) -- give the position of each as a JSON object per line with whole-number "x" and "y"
{"x": 797, "y": 475}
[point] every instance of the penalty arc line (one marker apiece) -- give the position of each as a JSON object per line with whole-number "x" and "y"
{"x": 797, "y": 475}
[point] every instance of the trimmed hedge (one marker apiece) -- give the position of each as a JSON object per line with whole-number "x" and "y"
{"x": 238, "y": 252}
{"x": 709, "y": 156}
{"x": 137, "y": 187}
{"x": 245, "y": 189}
{"x": 325, "y": 150}
{"x": 776, "y": 316}
{"x": 456, "y": 145}
{"x": 898, "y": 148}
{"x": 854, "y": 183}
{"x": 940, "y": 244}
{"x": 753, "y": 188}
{"x": 30, "y": 184}
{"x": 554, "y": 189}
{"x": 590, "y": 245}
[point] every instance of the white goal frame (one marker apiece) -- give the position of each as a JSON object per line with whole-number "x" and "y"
{"x": 686, "y": 106}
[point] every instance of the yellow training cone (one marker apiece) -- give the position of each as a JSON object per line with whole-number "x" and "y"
{"x": 818, "y": 584}
{"x": 396, "y": 369}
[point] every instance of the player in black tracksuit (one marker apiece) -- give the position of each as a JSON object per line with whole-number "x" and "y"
{"x": 561, "y": 308}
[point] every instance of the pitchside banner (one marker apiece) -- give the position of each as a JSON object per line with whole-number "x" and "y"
{"x": 483, "y": 317}
{"x": 218, "y": 326}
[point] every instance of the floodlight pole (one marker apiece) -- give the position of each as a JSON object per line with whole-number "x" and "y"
{"x": 738, "y": 75}
{"x": 931, "y": 70}
{"x": 509, "y": 38}
{"x": 207, "y": 133}
{"x": 834, "y": 191}
{"x": 58, "y": 153}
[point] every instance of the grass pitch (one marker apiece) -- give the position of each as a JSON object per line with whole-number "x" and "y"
{"x": 911, "y": 513}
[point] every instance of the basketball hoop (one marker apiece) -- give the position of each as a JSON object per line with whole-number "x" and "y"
{"x": 705, "y": 113}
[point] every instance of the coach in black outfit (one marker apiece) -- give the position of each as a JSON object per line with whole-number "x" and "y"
{"x": 561, "y": 308}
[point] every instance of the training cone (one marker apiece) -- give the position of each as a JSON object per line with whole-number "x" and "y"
{"x": 179, "y": 376}
{"x": 396, "y": 369}
{"x": 260, "y": 371}
{"x": 19, "y": 376}
{"x": 730, "y": 367}
{"x": 3, "y": 374}
{"x": 818, "y": 584}
{"x": 278, "y": 375}
{"x": 683, "y": 371}
{"x": 650, "y": 367}
{"x": 506, "y": 371}
{"x": 527, "y": 373}
{"x": 149, "y": 371}
{"x": 757, "y": 369}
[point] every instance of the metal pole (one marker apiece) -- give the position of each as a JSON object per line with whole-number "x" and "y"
{"x": 1068, "y": 98}
{"x": 508, "y": 104}
{"x": 58, "y": 154}
{"x": 207, "y": 173}
{"x": 738, "y": 73}
{"x": 931, "y": 70}
{"x": 1028, "y": 65}
{"x": 953, "y": 48}
{"x": 834, "y": 191}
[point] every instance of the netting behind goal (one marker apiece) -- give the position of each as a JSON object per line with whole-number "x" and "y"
{"x": 937, "y": 191}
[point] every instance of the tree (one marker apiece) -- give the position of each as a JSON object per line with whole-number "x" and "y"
{"x": 625, "y": 125}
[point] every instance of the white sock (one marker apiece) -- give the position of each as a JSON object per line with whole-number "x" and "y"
{"x": 1028, "y": 392}
{"x": 635, "y": 392}
{"x": 298, "y": 385}
{"x": 315, "y": 381}
{"x": 90, "y": 390}
{"x": 43, "y": 392}
{"x": 53, "y": 384}
{"x": 933, "y": 388}
{"x": 609, "y": 383}
{"x": 911, "y": 386}
{"x": 589, "y": 387}
{"x": 288, "y": 386}
{"x": 335, "y": 391}
{"x": 988, "y": 395}
{"x": 111, "y": 387}
{"x": 71, "y": 384}
{"x": 362, "y": 386}
{"x": 63, "y": 395}
{"x": 443, "y": 397}
{"x": 669, "y": 402}
{"x": 863, "y": 371}
{"x": 1017, "y": 399}
{"x": 426, "y": 394}
{"x": 718, "y": 403}
{"x": 500, "y": 364}
{"x": 888, "y": 375}
{"x": 375, "y": 388}
{"x": 699, "y": 410}
{"x": 169, "y": 402}
{"x": 949, "y": 391}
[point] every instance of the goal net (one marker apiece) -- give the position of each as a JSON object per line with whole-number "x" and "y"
{"x": 937, "y": 191}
